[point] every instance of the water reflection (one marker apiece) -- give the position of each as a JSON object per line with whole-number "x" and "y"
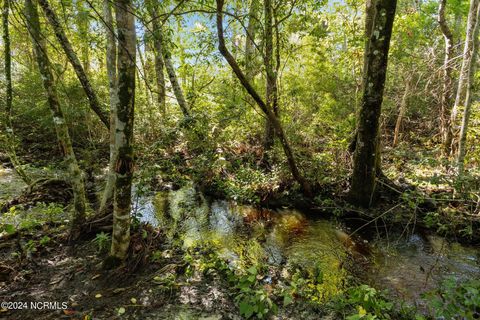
{"x": 407, "y": 267}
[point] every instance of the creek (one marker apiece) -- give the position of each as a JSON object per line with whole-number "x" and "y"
{"x": 406, "y": 264}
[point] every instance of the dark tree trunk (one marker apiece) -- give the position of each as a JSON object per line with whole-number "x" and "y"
{"x": 366, "y": 154}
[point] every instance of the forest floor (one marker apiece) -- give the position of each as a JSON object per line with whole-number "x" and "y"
{"x": 35, "y": 270}
{"x": 56, "y": 272}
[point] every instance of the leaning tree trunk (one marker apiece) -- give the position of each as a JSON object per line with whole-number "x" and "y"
{"x": 177, "y": 89}
{"x": 75, "y": 62}
{"x": 463, "y": 78}
{"x": 10, "y": 137}
{"x": 124, "y": 165}
{"x": 61, "y": 127}
{"x": 366, "y": 154}
{"x": 262, "y": 105}
{"x": 447, "y": 90}
{"x": 468, "y": 99}
{"x": 111, "y": 59}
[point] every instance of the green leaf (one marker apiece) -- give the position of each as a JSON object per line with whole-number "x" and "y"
{"x": 10, "y": 228}
{"x": 287, "y": 299}
{"x": 245, "y": 309}
{"x": 252, "y": 270}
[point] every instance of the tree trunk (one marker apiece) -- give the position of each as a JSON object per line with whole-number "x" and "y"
{"x": 10, "y": 137}
{"x": 61, "y": 127}
{"x": 463, "y": 78}
{"x": 159, "y": 73}
{"x": 153, "y": 10}
{"x": 447, "y": 90}
{"x": 82, "y": 21}
{"x": 111, "y": 61}
{"x": 262, "y": 105}
{"x": 369, "y": 17}
{"x": 401, "y": 113}
{"x": 75, "y": 62}
{"x": 270, "y": 79}
{"x": 250, "y": 65}
{"x": 177, "y": 89}
{"x": 124, "y": 120}
{"x": 366, "y": 154}
{"x": 468, "y": 98}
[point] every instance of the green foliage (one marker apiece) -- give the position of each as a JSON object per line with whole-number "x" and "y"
{"x": 455, "y": 300}
{"x": 365, "y": 302}
{"x": 102, "y": 240}
{"x": 250, "y": 294}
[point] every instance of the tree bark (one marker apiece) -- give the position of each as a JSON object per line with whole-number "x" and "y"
{"x": 468, "y": 98}
{"x": 61, "y": 127}
{"x": 153, "y": 11}
{"x": 262, "y": 105}
{"x": 401, "y": 113}
{"x": 124, "y": 120}
{"x": 250, "y": 65}
{"x": 82, "y": 21}
{"x": 10, "y": 137}
{"x": 162, "y": 52}
{"x": 369, "y": 18}
{"x": 177, "y": 89}
{"x": 270, "y": 78}
{"x": 74, "y": 61}
{"x": 463, "y": 78}
{"x": 447, "y": 90}
{"x": 366, "y": 156}
{"x": 111, "y": 62}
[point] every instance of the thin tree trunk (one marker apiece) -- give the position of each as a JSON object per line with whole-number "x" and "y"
{"x": 111, "y": 62}
{"x": 167, "y": 61}
{"x": 82, "y": 28}
{"x": 468, "y": 99}
{"x": 159, "y": 70}
{"x": 75, "y": 62}
{"x": 463, "y": 78}
{"x": 401, "y": 113}
{"x": 153, "y": 11}
{"x": 61, "y": 127}
{"x": 10, "y": 137}
{"x": 177, "y": 89}
{"x": 366, "y": 156}
{"x": 124, "y": 120}
{"x": 262, "y": 105}
{"x": 270, "y": 77}
{"x": 447, "y": 90}
{"x": 250, "y": 65}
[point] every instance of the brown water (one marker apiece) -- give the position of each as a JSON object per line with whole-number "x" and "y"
{"x": 404, "y": 265}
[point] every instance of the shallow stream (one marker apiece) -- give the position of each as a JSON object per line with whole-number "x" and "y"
{"x": 405, "y": 264}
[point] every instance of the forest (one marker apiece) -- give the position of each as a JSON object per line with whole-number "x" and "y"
{"x": 239, "y": 159}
